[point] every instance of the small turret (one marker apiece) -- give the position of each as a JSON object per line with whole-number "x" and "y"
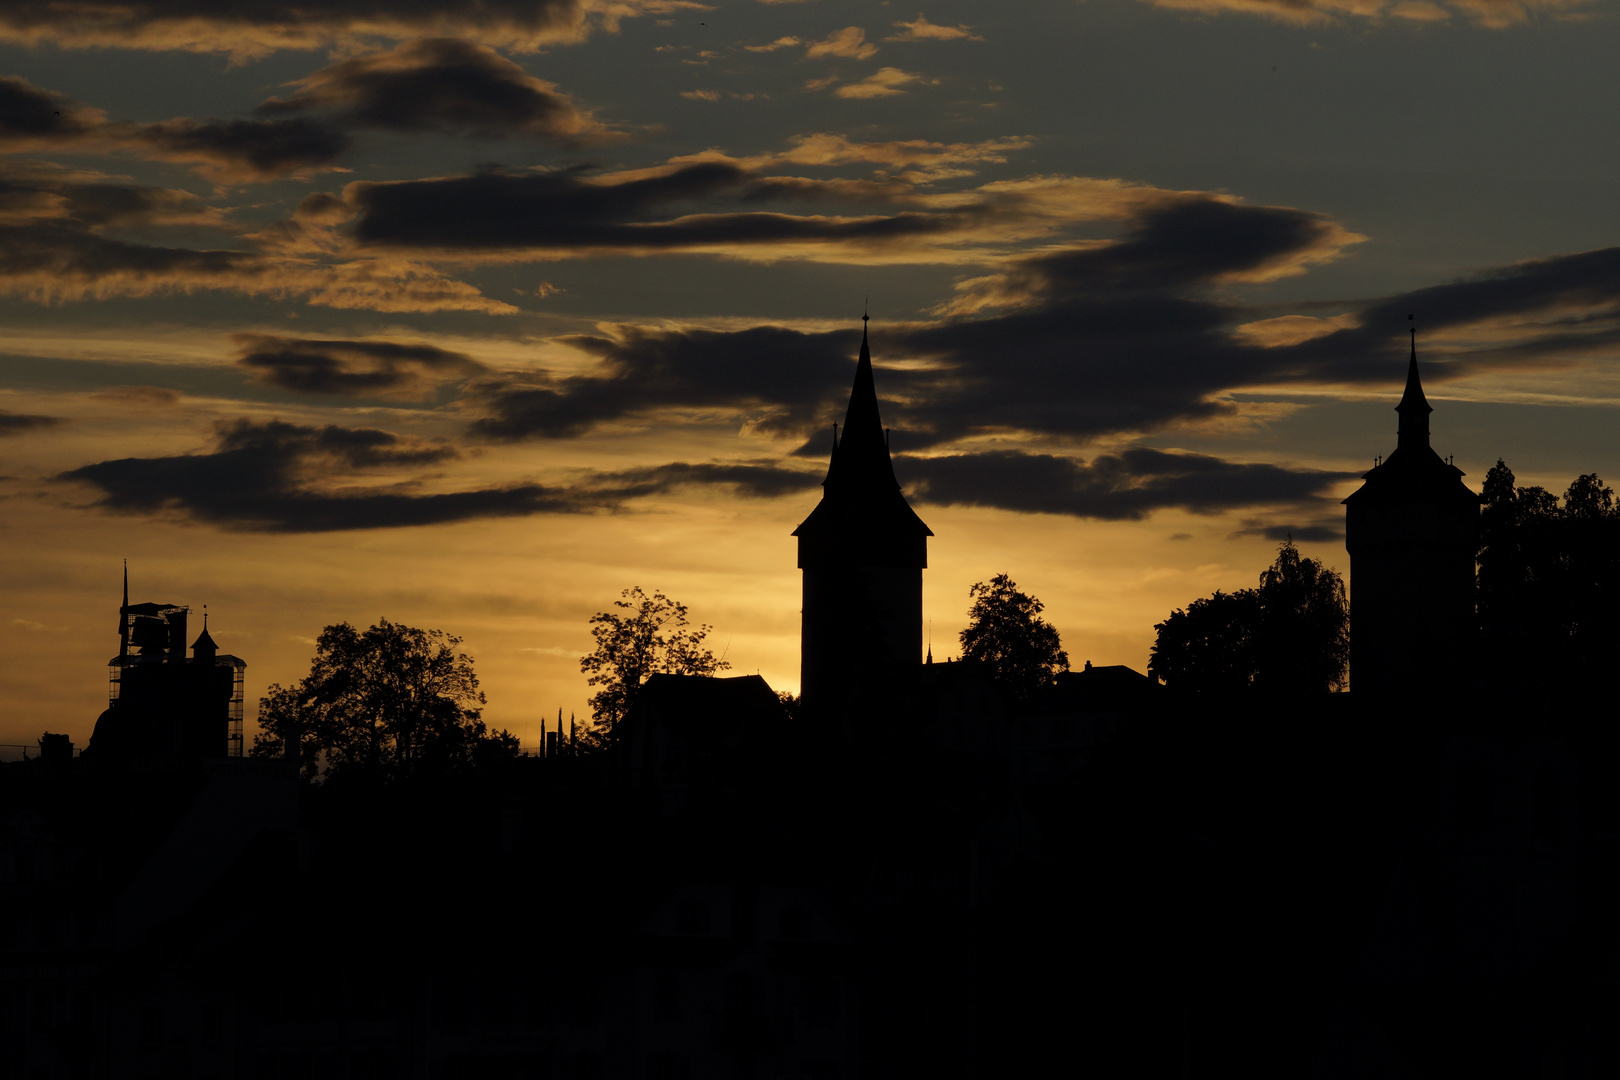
{"x": 203, "y": 650}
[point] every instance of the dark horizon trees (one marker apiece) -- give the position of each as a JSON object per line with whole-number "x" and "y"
{"x": 1549, "y": 573}
{"x": 1289, "y": 635}
{"x": 388, "y": 703}
{"x": 1006, "y": 633}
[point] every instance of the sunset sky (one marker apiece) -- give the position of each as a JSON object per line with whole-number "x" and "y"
{"x": 471, "y": 315}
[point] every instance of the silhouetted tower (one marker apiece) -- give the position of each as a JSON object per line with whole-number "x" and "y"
{"x": 1412, "y": 531}
{"x": 863, "y": 550}
{"x": 160, "y": 702}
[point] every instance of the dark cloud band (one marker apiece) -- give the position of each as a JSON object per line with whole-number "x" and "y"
{"x": 445, "y": 85}
{"x": 266, "y": 477}
{"x": 378, "y": 369}
{"x": 1127, "y": 486}
{"x": 17, "y": 423}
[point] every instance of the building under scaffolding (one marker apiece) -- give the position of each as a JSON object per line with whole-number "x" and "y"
{"x": 163, "y": 702}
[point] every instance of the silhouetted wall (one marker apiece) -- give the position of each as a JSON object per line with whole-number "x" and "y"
{"x": 1411, "y": 593}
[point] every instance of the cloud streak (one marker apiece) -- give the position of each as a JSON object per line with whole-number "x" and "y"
{"x": 228, "y": 151}
{"x": 1495, "y": 14}
{"x": 12, "y": 423}
{"x": 1127, "y": 486}
{"x": 277, "y": 477}
{"x": 257, "y": 29}
{"x": 368, "y": 369}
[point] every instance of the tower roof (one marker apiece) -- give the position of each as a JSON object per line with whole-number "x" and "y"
{"x": 1413, "y": 472}
{"x": 862, "y": 516}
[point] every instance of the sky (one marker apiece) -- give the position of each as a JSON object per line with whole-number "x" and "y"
{"x": 470, "y": 316}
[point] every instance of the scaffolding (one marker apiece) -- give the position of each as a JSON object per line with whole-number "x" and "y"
{"x": 233, "y": 737}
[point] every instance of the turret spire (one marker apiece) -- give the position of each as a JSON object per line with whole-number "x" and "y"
{"x": 123, "y": 619}
{"x": 1414, "y": 408}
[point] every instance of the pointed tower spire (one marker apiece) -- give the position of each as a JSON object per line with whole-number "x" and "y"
{"x": 860, "y": 461}
{"x": 1414, "y": 408}
{"x": 123, "y": 619}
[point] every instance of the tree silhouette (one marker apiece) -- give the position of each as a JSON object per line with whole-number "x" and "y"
{"x": 648, "y": 636}
{"x": 1303, "y": 640}
{"x": 1209, "y": 648}
{"x": 389, "y": 702}
{"x": 1005, "y": 632}
{"x": 1549, "y": 574}
{"x": 1290, "y": 635}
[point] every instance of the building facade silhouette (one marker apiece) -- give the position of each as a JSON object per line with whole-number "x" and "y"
{"x": 863, "y": 550}
{"x": 1412, "y": 531}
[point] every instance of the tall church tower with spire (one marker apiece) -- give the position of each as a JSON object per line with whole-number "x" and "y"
{"x": 863, "y": 550}
{"x": 1412, "y": 531}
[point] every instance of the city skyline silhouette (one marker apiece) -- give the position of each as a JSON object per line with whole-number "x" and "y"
{"x": 1121, "y": 369}
{"x": 662, "y": 540}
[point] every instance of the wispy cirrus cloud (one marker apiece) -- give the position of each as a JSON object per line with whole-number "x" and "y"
{"x": 1496, "y": 14}
{"x": 915, "y": 161}
{"x": 245, "y": 31}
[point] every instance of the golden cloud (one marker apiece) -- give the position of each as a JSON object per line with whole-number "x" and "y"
{"x": 920, "y": 29}
{"x": 882, "y": 83}
{"x": 779, "y": 43}
{"x": 849, "y": 42}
